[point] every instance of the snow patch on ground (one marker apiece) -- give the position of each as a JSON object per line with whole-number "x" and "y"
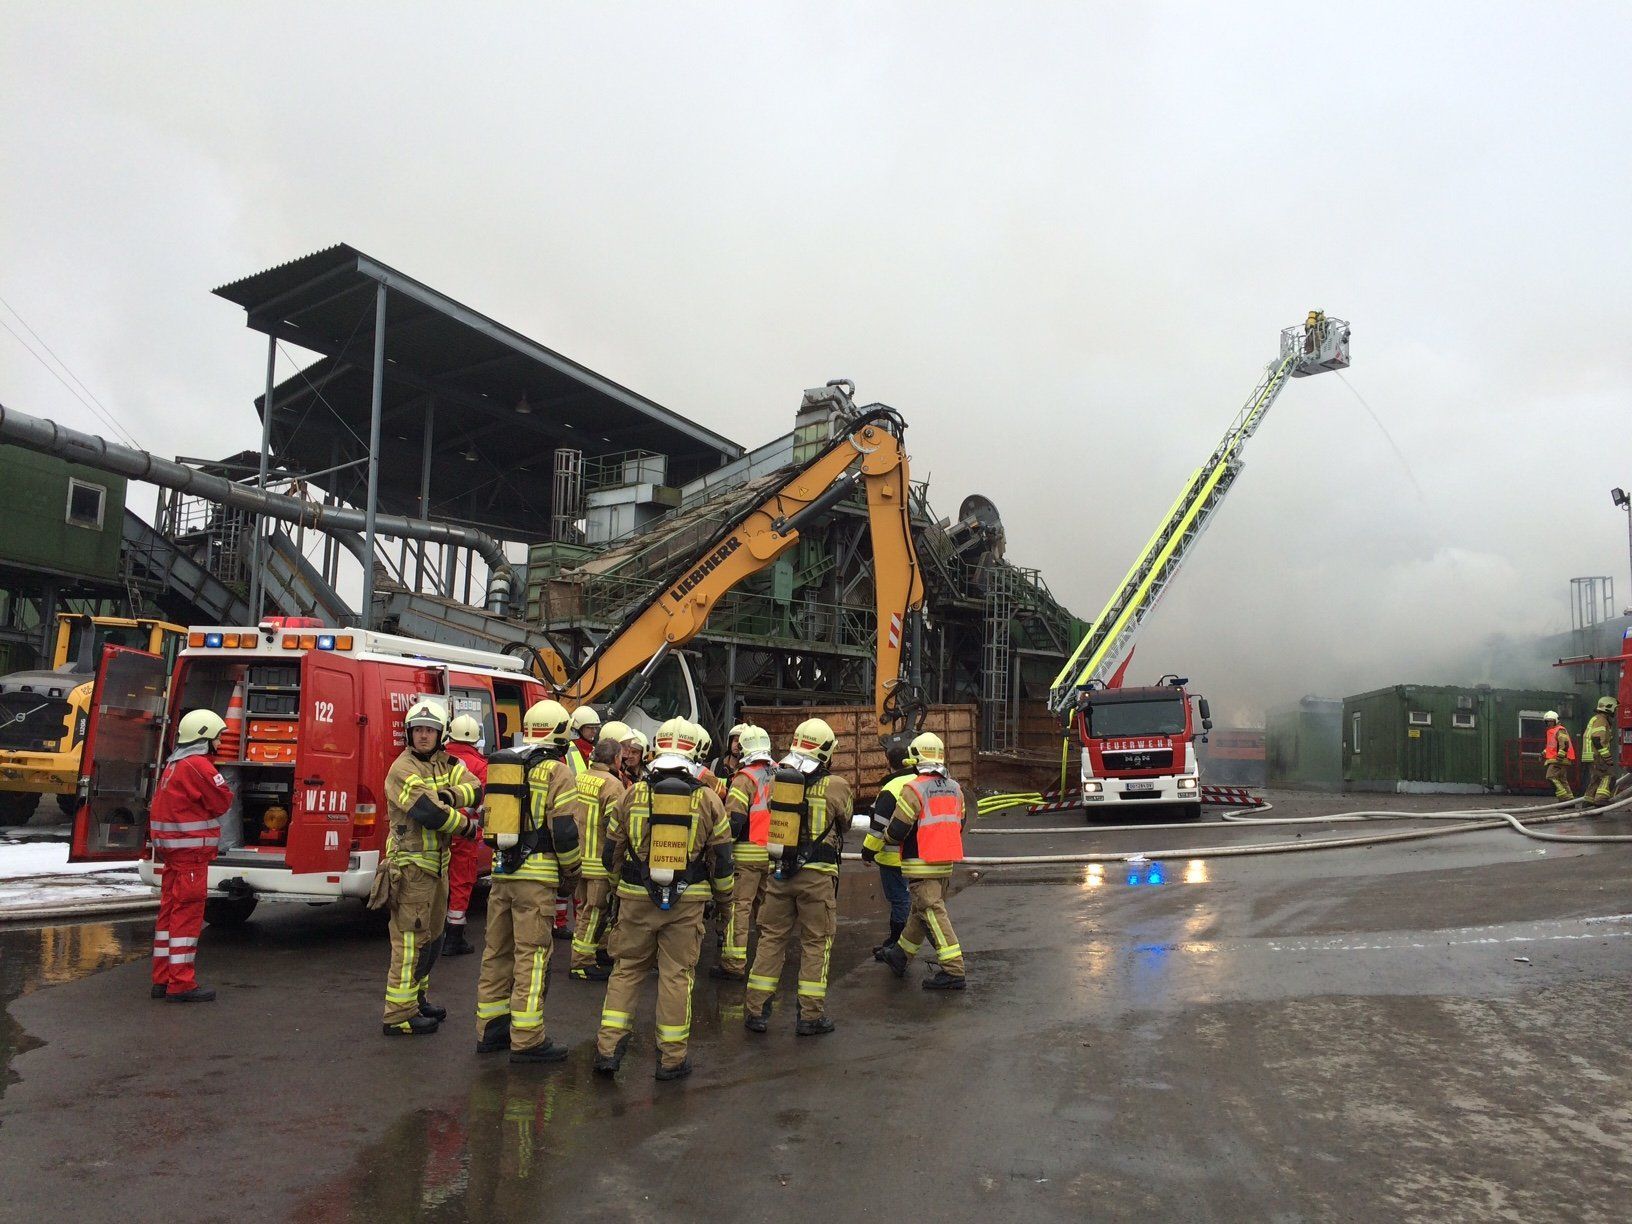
{"x": 19, "y": 859}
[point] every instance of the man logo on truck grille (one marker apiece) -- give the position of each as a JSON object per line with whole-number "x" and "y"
{"x": 709, "y": 564}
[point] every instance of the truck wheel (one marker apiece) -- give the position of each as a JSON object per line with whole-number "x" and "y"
{"x": 229, "y": 911}
{"x": 68, "y": 804}
{"x": 16, "y": 808}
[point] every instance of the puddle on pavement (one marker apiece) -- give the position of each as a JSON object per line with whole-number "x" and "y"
{"x": 33, "y": 958}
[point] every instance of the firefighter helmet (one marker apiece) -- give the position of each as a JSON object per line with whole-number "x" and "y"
{"x": 929, "y": 749}
{"x": 1607, "y": 705}
{"x": 640, "y": 739}
{"x": 898, "y": 751}
{"x": 735, "y": 734}
{"x": 432, "y": 714}
{"x": 546, "y": 722}
{"x": 1550, "y": 716}
{"x": 755, "y": 741}
{"x": 465, "y": 729}
{"x": 199, "y": 725}
{"x": 586, "y": 724}
{"x": 677, "y": 736}
{"x": 617, "y": 732}
{"x": 815, "y": 739}
{"x": 705, "y": 741}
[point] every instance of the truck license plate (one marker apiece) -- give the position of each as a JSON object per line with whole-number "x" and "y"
{"x": 1146, "y": 784}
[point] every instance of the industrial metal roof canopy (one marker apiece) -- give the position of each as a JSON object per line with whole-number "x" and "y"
{"x": 494, "y": 405}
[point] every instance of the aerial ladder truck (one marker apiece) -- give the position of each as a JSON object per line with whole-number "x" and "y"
{"x": 1139, "y": 744}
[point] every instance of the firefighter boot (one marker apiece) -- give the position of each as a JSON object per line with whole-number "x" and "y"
{"x": 455, "y": 943}
{"x": 942, "y": 980}
{"x": 721, "y": 973}
{"x": 495, "y": 1037}
{"x": 813, "y": 1028}
{"x": 896, "y": 959}
{"x": 761, "y": 1022}
{"x": 549, "y": 1052}
{"x": 160, "y": 990}
{"x": 894, "y": 937}
{"x": 430, "y": 1010}
{"x": 679, "y": 1071}
{"x": 197, "y": 994}
{"x": 608, "y": 1064}
{"x": 590, "y": 973}
{"x": 414, "y": 1026}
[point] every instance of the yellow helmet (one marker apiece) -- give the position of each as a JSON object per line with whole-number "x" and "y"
{"x": 735, "y": 734}
{"x": 705, "y": 742}
{"x": 929, "y": 749}
{"x": 465, "y": 729}
{"x": 432, "y": 714}
{"x": 199, "y": 725}
{"x": 755, "y": 741}
{"x": 1607, "y": 705}
{"x": 546, "y": 722}
{"x": 677, "y": 736}
{"x": 639, "y": 736}
{"x": 586, "y": 724}
{"x": 617, "y": 732}
{"x": 815, "y": 739}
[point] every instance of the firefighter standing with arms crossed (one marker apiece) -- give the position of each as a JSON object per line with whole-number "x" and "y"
{"x": 600, "y": 791}
{"x": 809, "y": 813}
{"x": 928, "y": 826}
{"x": 1598, "y": 751}
{"x": 747, "y": 807}
{"x": 527, "y": 877}
{"x": 669, "y": 846}
{"x": 1559, "y": 754}
{"x": 464, "y": 855}
{"x": 424, "y": 790}
{"x": 185, "y": 828}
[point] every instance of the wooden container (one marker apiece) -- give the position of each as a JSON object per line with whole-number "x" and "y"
{"x": 859, "y": 756}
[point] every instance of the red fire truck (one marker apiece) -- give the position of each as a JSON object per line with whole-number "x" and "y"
{"x": 314, "y": 721}
{"x": 1139, "y": 745}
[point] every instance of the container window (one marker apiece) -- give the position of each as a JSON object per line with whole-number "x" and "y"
{"x": 1532, "y": 726}
{"x": 1463, "y": 720}
{"x": 85, "y": 503}
{"x": 1354, "y": 733}
{"x": 1419, "y": 718}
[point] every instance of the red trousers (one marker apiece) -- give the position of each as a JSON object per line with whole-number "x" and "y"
{"x": 182, "y": 886}
{"x": 463, "y": 866}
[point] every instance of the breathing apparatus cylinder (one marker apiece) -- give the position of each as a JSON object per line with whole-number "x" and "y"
{"x": 787, "y": 810}
{"x": 506, "y": 795}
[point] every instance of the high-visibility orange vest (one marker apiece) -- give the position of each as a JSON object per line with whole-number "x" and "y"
{"x": 939, "y": 827}
{"x": 1552, "y": 743}
{"x": 759, "y": 804}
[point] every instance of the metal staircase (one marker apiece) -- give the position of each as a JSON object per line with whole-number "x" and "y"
{"x": 1320, "y": 344}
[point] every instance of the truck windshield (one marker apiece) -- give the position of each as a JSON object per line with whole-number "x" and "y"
{"x": 1159, "y": 716}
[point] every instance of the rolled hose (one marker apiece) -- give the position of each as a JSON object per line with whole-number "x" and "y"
{"x": 1484, "y": 818}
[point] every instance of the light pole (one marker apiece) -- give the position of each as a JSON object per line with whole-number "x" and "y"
{"x": 1620, "y": 498}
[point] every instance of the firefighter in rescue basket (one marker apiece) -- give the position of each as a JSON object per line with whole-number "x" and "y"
{"x": 668, "y": 845}
{"x": 424, "y": 788}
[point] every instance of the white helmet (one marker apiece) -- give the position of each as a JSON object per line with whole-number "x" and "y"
{"x": 813, "y": 738}
{"x": 465, "y": 730}
{"x": 432, "y": 714}
{"x": 930, "y": 751}
{"x": 755, "y": 741}
{"x": 199, "y": 725}
{"x": 586, "y": 724}
{"x": 1551, "y": 716}
{"x": 546, "y": 722}
{"x": 617, "y": 732}
{"x": 677, "y": 736}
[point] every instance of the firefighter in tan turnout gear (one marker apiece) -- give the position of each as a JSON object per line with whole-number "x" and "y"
{"x": 1559, "y": 753}
{"x": 748, "y": 807}
{"x": 424, "y": 790}
{"x": 532, "y": 817}
{"x": 668, "y": 845}
{"x": 600, "y": 790}
{"x": 1598, "y": 751}
{"x": 928, "y": 826}
{"x": 809, "y": 812}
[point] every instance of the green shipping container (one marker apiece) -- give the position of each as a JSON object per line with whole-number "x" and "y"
{"x": 1425, "y": 739}
{"x": 1303, "y": 745}
{"x": 60, "y": 518}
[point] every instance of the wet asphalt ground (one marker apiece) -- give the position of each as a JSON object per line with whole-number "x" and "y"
{"x": 1433, "y": 1030}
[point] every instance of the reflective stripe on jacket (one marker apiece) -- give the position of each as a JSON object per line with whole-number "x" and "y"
{"x": 911, "y": 811}
{"x": 750, "y": 798}
{"x": 598, "y": 794}
{"x": 1559, "y": 743}
{"x": 552, "y": 792}
{"x": 889, "y": 796}
{"x": 629, "y": 834}
{"x": 829, "y": 802}
{"x": 1597, "y": 739}
{"x": 189, "y": 802}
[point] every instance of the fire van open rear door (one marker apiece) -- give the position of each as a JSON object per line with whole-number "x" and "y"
{"x": 121, "y": 757}
{"x": 326, "y": 764}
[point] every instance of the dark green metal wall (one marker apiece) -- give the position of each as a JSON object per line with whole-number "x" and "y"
{"x": 34, "y": 528}
{"x": 1303, "y": 745}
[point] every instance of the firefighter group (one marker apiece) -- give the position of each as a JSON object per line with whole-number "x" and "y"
{"x": 646, "y": 838}
{"x": 1597, "y": 753}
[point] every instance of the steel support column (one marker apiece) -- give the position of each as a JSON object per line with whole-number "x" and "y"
{"x": 425, "y": 486}
{"x": 372, "y": 509}
{"x": 257, "y": 588}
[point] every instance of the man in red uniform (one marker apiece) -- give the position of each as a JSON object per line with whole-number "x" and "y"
{"x": 464, "y": 863}
{"x": 185, "y": 828}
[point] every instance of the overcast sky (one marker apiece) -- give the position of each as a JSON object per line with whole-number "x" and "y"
{"x": 1060, "y": 238}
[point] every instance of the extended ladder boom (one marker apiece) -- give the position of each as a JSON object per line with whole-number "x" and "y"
{"x": 1320, "y": 344}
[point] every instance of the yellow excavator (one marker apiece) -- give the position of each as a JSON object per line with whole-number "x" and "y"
{"x": 43, "y": 713}
{"x": 868, "y": 450}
